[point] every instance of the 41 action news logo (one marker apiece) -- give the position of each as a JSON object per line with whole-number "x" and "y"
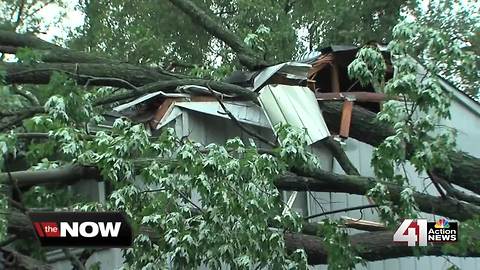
{"x": 82, "y": 229}
{"x": 421, "y": 232}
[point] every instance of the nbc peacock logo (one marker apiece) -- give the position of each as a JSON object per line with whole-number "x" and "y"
{"x": 442, "y": 224}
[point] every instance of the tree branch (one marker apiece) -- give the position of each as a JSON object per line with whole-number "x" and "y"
{"x": 360, "y": 207}
{"x": 341, "y": 156}
{"x": 237, "y": 123}
{"x": 323, "y": 181}
{"x": 371, "y": 246}
{"x": 318, "y": 180}
{"x": 18, "y": 261}
{"x": 452, "y": 191}
{"x": 10, "y": 42}
{"x": 73, "y": 259}
{"x": 167, "y": 86}
{"x": 199, "y": 17}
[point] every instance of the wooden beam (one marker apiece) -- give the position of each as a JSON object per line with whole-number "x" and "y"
{"x": 161, "y": 111}
{"x": 346, "y": 118}
{"x": 335, "y": 81}
{"x": 363, "y": 225}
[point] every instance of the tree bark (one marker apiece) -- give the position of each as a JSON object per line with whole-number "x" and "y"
{"x": 10, "y": 42}
{"x": 18, "y": 261}
{"x": 319, "y": 180}
{"x": 115, "y": 75}
{"x": 61, "y": 176}
{"x": 9, "y": 38}
{"x": 370, "y": 246}
{"x": 40, "y": 73}
{"x": 323, "y": 181}
{"x": 365, "y": 128}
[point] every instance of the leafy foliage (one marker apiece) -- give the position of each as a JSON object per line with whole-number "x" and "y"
{"x": 226, "y": 221}
{"x": 340, "y": 252}
{"x": 150, "y": 33}
{"x": 448, "y": 30}
{"x": 466, "y": 243}
{"x": 234, "y": 205}
{"x": 26, "y": 15}
{"x": 418, "y": 105}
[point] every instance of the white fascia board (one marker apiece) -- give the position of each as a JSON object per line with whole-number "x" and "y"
{"x": 291, "y": 69}
{"x": 173, "y": 113}
{"x": 146, "y": 97}
{"x": 468, "y": 102}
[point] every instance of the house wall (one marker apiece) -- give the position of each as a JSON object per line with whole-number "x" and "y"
{"x": 200, "y": 129}
{"x": 465, "y": 118}
{"x": 210, "y": 129}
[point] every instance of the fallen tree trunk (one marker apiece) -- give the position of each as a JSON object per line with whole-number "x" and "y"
{"x": 10, "y": 42}
{"x": 365, "y": 128}
{"x": 15, "y": 260}
{"x": 323, "y": 181}
{"x": 319, "y": 180}
{"x": 370, "y": 246}
{"x": 103, "y": 73}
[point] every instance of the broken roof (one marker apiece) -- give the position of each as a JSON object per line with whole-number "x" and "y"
{"x": 325, "y": 72}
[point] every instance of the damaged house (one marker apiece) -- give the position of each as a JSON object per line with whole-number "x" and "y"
{"x": 300, "y": 94}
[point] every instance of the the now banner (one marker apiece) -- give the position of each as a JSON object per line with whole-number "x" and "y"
{"x": 82, "y": 229}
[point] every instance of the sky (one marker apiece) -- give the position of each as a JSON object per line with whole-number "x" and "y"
{"x": 73, "y": 18}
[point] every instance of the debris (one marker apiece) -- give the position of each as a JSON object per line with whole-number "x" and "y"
{"x": 289, "y": 70}
{"x": 296, "y": 106}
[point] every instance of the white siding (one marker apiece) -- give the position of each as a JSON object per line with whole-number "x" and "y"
{"x": 201, "y": 130}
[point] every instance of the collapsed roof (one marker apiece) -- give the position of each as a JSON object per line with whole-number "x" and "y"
{"x": 289, "y": 92}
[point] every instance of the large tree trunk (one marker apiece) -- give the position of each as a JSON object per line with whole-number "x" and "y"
{"x": 40, "y": 73}
{"x": 323, "y": 181}
{"x": 319, "y": 180}
{"x": 10, "y": 42}
{"x": 18, "y": 261}
{"x": 365, "y": 128}
{"x": 370, "y": 246}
